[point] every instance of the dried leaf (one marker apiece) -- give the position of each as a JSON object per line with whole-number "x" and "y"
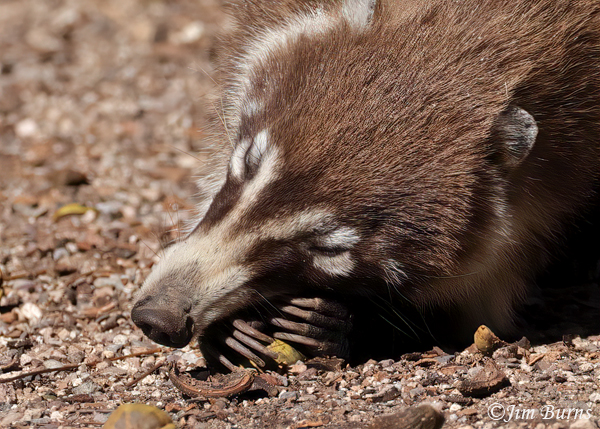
{"x": 287, "y": 354}
{"x": 70, "y": 209}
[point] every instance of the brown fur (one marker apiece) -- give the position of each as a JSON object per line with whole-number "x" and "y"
{"x": 396, "y": 129}
{"x": 439, "y": 74}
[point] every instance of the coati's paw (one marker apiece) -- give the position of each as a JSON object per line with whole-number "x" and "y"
{"x": 314, "y": 326}
{"x": 321, "y": 326}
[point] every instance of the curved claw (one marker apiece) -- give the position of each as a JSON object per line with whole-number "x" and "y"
{"x": 244, "y": 351}
{"x": 317, "y": 319}
{"x": 300, "y": 339}
{"x": 304, "y": 329}
{"x": 244, "y": 327}
{"x": 326, "y": 307}
{"x": 319, "y": 325}
{"x": 210, "y": 352}
{"x": 227, "y": 363}
{"x": 326, "y": 348}
{"x": 252, "y": 343}
{"x": 244, "y": 341}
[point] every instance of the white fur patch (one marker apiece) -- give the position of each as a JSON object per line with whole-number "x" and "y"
{"x": 249, "y": 153}
{"x": 259, "y": 148}
{"x": 344, "y": 237}
{"x": 251, "y": 108}
{"x": 237, "y": 165}
{"x": 267, "y": 173}
{"x": 393, "y": 272}
{"x": 358, "y": 12}
{"x": 337, "y": 266}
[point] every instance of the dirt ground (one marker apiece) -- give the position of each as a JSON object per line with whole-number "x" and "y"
{"x": 101, "y": 107}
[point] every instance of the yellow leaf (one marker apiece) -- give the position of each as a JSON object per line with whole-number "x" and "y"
{"x": 70, "y": 209}
{"x": 287, "y": 354}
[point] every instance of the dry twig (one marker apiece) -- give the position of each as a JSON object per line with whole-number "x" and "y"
{"x": 145, "y": 374}
{"x": 73, "y": 366}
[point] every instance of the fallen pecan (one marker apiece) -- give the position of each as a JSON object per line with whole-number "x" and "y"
{"x": 220, "y": 386}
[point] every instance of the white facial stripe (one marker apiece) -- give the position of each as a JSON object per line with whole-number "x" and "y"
{"x": 280, "y": 229}
{"x": 337, "y": 266}
{"x": 266, "y": 43}
{"x": 249, "y": 151}
{"x": 259, "y": 147}
{"x": 344, "y": 237}
{"x": 237, "y": 164}
{"x": 358, "y": 12}
{"x": 274, "y": 39}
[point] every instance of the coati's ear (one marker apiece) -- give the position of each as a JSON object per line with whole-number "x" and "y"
{"x": 358, "y": 13}
{"x": 514, "y": 131}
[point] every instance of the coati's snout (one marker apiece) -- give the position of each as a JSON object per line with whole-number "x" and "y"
{"x": 170, "y": 324}
{"x": 193, "y": 284}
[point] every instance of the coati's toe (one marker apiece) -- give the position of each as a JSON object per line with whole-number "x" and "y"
{"x": 320, "y": 326}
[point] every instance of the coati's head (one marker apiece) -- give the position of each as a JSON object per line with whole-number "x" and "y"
{"x": 359, "y": 166}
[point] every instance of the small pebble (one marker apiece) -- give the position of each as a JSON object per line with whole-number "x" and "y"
{"x": 285, "y": 395}
{"x": 32, "y": 313}
{"x": 59, "y": 253}
{"x": 26, "y": 128}
{"x": 52, "y": 363}
{"x": 595, "y": 397}
{"x": 454, "y": 408}
{"x": 56, "y": 416}
{"x": 86, "y": 388}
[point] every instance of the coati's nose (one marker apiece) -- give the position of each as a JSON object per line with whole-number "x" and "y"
{"x": 170, "y": 327}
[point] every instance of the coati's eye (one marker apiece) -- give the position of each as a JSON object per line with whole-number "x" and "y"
{"x": 328, "y": 251}
{"x": 334, "y": 242}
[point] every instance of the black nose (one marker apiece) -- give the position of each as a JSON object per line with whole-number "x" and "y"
{"x": 171, "y": 327}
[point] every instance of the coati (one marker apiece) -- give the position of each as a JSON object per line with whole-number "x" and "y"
{"x": 414, "y": 159}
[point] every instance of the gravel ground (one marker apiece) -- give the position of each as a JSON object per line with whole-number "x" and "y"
{"x": 102, "y": 104}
